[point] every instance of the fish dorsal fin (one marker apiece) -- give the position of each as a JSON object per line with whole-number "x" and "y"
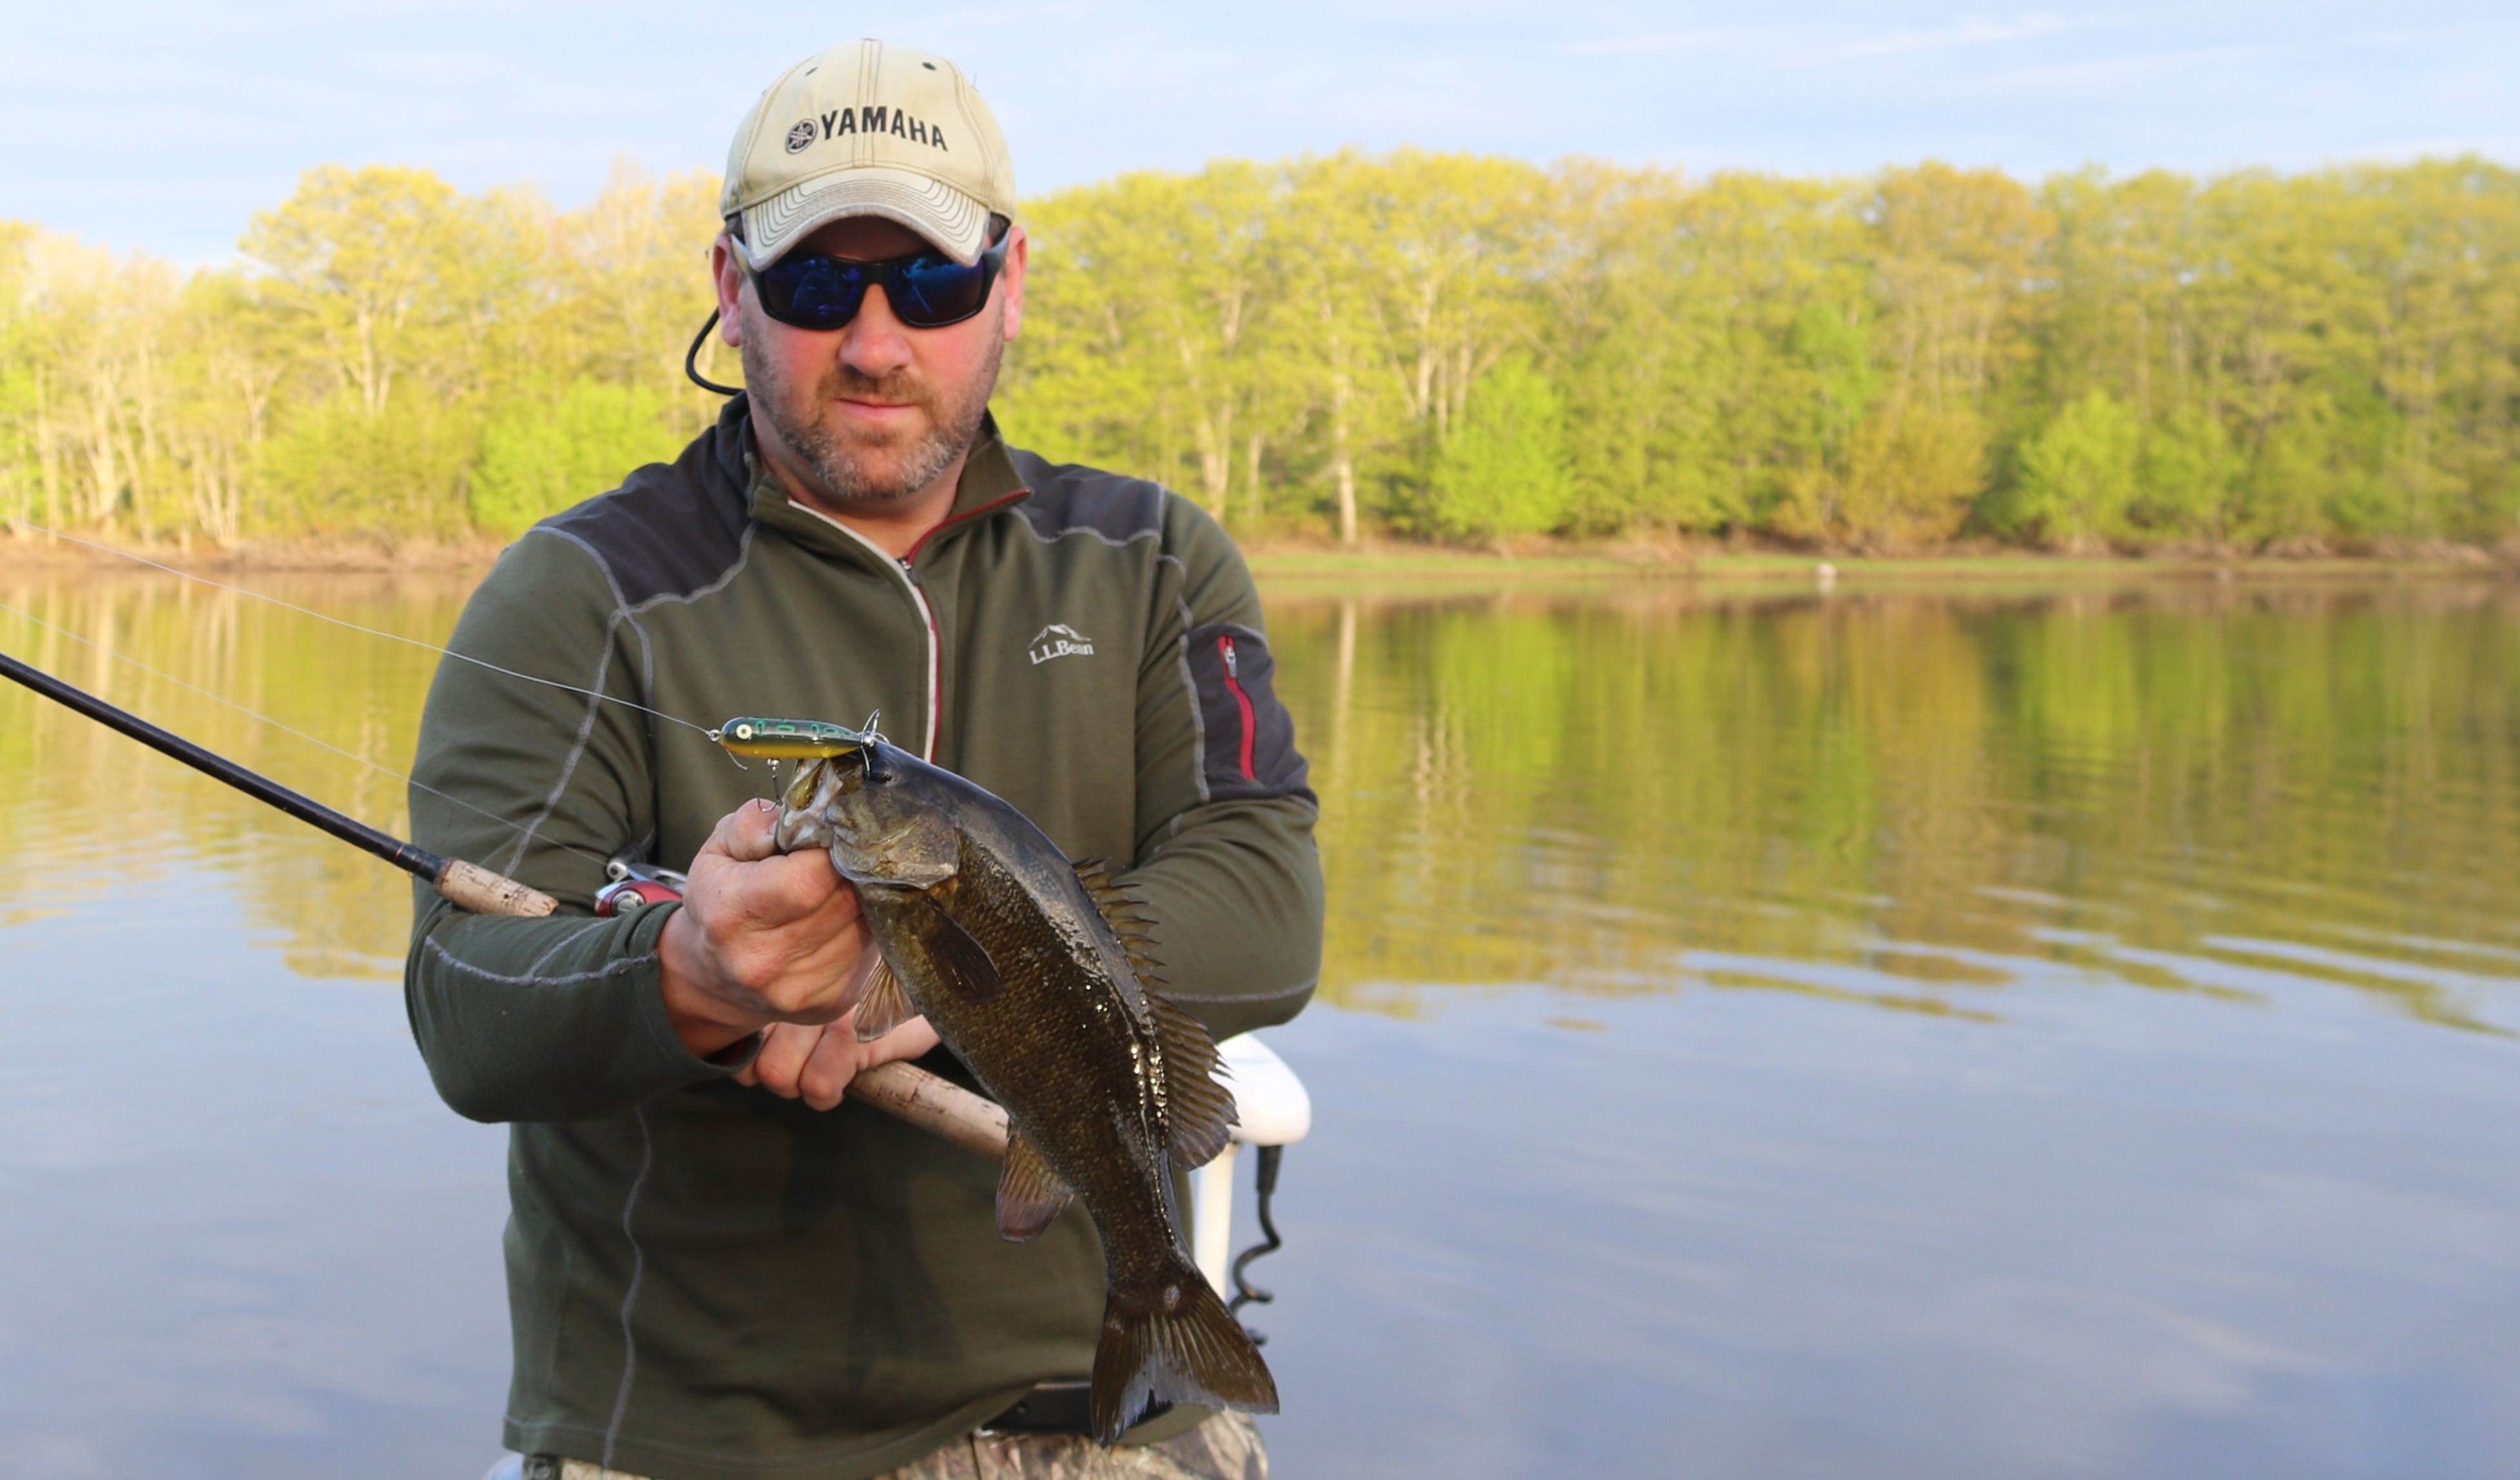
{"x": 1126, "y": 914}
{"x": 1199, "y": 1109}
{"x": 882, "y": 1006}
{"x": 1029, "y": 1194}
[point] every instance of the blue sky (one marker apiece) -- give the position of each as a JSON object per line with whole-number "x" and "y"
{"x": 165, "y": 126}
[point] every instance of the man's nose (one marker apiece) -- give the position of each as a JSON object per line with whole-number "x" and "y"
{"x": 876, "y": 344}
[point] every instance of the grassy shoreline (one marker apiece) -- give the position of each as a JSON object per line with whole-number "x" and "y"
{"x": 1406, "y": 563}
{"x": 1402, "y": 563}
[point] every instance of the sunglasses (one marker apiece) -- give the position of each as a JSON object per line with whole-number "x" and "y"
{"x": 926, "y": 289}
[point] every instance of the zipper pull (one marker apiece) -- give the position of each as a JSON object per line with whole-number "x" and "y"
{"x": 1225, "y": 645}
{"x": 909, "y": 570}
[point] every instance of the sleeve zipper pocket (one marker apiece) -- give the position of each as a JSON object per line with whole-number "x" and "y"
{"x": 1234, "y": 686}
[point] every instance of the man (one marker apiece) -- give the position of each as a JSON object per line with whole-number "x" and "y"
{"x": 719, "y": 1265}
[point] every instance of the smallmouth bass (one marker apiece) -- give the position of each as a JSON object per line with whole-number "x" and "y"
{"x": 1032, "y": 970}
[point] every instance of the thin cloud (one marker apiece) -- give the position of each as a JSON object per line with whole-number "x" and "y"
{"x": 1783, "y": 51}
{"x": 1972, "y": 33}
{"x": 1664, "y": 41}
{"x": 2438, "y": 147}
{"x": 2121, "y": 68}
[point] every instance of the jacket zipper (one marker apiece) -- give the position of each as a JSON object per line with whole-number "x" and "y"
{"x": 927, "y": 619}
{"x": 1234, "y": 686}
{"x": 909, "y": 574}
{"x": 935, "y": 637}
{"x": 935, "y": 661}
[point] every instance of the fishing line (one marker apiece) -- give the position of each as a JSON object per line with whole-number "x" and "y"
{"x": 325, "y": 617}
{"x": 286, "y": 728}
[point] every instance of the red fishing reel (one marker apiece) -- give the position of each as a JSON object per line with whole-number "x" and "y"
{"x": 635, "y": 886}
{"x": 629, "y": 895}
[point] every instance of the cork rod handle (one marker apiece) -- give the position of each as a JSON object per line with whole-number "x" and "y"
{"x": 483, "y": 892}
{"x": 938, "y": 1107}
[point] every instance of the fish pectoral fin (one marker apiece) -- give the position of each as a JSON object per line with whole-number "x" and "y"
{"x": 1029, "y": 1194}
{"x": 960, "y": 960}
{"x": 1198, "y": 1109}
{"x": 883, "y": 1005}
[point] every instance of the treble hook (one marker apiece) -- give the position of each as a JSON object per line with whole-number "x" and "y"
{"x": 875, "y": 769}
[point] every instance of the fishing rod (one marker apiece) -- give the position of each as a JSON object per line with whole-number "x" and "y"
{"x": 469, "y": 885}
{"x": 902, "y": 1090}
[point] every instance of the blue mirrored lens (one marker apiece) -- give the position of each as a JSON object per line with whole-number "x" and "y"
{"x": 929, "y": 291}
{"x": 812, "y": 292}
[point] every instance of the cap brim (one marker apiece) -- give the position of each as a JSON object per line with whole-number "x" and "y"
{"x": 957, "y": 223}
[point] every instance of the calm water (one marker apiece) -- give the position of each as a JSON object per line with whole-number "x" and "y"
{"x": 1876, "y": 1036}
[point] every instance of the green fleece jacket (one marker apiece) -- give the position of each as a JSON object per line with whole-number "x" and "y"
{"x": 705, "y": 1280}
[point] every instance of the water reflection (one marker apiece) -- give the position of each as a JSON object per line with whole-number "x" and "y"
{"x": 1907, "y": 801}
{"x": 1920, "y": 800}
{"x": 89, "y": 813}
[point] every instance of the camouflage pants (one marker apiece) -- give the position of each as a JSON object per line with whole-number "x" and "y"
{"x": 1226, "y": 1446}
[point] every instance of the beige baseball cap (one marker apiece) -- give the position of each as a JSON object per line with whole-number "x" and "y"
{"x": 868, "y": 129}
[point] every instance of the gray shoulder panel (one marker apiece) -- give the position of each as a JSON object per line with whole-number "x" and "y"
{"x": 1068, "y": 498}
{"x": 671, "y": 528}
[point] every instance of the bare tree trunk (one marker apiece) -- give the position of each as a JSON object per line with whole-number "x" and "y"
{"x": 48, "y": 452}
{"x": 101, "y": 449}
{"x": 1252, "y": 478}
{"x": 1216, "y": 459}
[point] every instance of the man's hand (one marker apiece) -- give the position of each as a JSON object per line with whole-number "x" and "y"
{"x": 815, "y": 1064}
{"x": 763, "y": 937}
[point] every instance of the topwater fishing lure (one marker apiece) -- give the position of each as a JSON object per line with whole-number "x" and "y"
{"x": 793, "y": 738}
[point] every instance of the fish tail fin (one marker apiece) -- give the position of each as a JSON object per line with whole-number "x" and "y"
{"x": 1172, "y": 1340}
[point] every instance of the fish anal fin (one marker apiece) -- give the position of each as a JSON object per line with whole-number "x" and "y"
{"x": 1029, "y": 1194}
{"x": 883, "y": 1005}
{"x": 1199, "y": 1113}
{"x": 962, "y": 961}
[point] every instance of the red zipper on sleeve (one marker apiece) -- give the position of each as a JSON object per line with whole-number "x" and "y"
{"x": 1234, "y": 686}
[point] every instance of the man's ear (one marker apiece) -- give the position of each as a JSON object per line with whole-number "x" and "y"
{"x": 725, "y": 270}
{"x": 1018, "y": 256}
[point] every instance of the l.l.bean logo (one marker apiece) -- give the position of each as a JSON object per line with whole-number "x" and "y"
{"x": 1058, "y": 640}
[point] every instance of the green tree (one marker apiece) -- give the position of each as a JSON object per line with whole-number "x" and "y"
{"x": 2185, "y": 486}
{"x": 2080, "y": 475}
{"x": 338, "y": 469}
{"x": 1504, "y": 469}
{"x": 385, "y": 273}
{"x": 539, "y": 458}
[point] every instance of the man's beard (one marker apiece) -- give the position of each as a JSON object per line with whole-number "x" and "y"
{"x": 847, "y": 476}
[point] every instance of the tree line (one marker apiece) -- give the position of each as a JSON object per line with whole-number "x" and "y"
{"x": 1410, "y": 344}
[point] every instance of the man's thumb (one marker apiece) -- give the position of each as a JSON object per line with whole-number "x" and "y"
{"x": 751, "y": 833}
